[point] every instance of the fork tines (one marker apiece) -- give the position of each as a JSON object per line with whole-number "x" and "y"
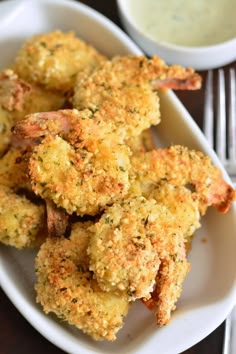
{"x": 219, "y": 123}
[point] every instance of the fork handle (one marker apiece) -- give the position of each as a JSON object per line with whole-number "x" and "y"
{"x": 229, "y": 345}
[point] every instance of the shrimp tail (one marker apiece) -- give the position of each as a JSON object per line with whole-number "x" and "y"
{"x": 228, "y": 195}
{"x": 57, "y": 220}
{"x": 42, "y": 124}
{"x": 173, "y": 77}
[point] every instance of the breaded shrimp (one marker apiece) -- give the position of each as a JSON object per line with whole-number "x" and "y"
{"x": 124, "y": 89}
{"x": 141, "y": 143}
{"x": 129, "y": 233}
{"x": 19, "y": 98}
{"x": 14, "y": 174}
{"x": 171, "y": 274}
{"x": 22, "y": 222}
{"x": 14, "y": 169}
{"x": 127, "y": 72}
{"x": 181, "y": 166}
{"x": 76, "y": 179}
{"x": 168, "y": 287}
{"x": 53, "y": 60}
{"x": 5, "y": 130}
{"x": 71, "y": 124}
{"x": 12, "y": 91}
{"x": 135, "y": 242}
{"x": 39, "y": 100}
{"x": 183, "y": 204}
{"x": 67, "y": 288}
{"x": 121, "y": 253}
{"x": 84, "y": 168}
{"x": 12, "y": 94}
{"x": 168, "y": 225}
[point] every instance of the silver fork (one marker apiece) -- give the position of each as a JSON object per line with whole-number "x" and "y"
{"x": 223, "y": 137}
{"x": 220, "y": 131}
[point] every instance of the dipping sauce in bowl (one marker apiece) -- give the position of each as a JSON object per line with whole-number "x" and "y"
{"x": 185, "y": 22}
{"x": 201, "y": 33}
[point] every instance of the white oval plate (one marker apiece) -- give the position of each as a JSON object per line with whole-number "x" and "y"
{"x": 210, "y": 288}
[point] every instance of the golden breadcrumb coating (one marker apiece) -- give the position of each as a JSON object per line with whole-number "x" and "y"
{"x": 136, "y": 241}
{"x": 12, "y": 91}
{"x": 118, "y": 92}
{"x": 121, "y": 253}
{"x": 12, "y": 94}
{"x": 181, "y": 166}
{"x": 5, "y": 130}
{"x": 39, "y": 100}
{"x": 124, "y": 88}
{"x": 76, "y": 179}
{"x": 169, "y": 282}
{"x": 67, "y": 288}
{"x": 19, "y": 98}
{"x": 183, "y": 204}
{"x": 14, "y": 169}
{"x": 21, "y": 221}
{"x": 142, "y": 142}
{"x": 53, "y": 59}
{"x": 81, "y": 164}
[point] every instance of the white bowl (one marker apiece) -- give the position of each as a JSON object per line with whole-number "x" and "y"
{"x": 210, "y": 289}
{"x": 200, "y": 58}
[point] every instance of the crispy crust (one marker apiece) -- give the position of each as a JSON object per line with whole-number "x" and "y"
{"x": 181, "y": 166}
{"x": 78, "y": 180}
{"x": 66, "y": 287}
{"x": 141, "y": 143}
{"x": 54, "y": 59}
{"x": 121, "y": 253}
{"x": 21, "y": 221}
{"x": 183, "y": 204}
{"x": 14, "y": 169}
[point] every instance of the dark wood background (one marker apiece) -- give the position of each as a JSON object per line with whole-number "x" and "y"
{"x": 16, "y": 334}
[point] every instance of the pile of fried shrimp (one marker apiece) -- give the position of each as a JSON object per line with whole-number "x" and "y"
{"x": 80, "y": 178}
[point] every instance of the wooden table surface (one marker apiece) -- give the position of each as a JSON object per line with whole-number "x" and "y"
{"x": 16, "y": 334}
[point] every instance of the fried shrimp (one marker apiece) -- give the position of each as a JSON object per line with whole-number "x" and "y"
{"x": 39, "y": 100}
{"x": 168, "y": 287}
{"x": 141, "y": 143}
{"x": 76, "y": 179}
{"x": 80, "y": 165}
{"x": 121, "y": 253}
{"x": 182, "y": 203}
{"x": 19, "y": 98}
{"x": 53, "y": 60}
{"x": 14, "y": 169}
{"x": 133, "y": 243}
{"x": 124, "y": 89}
{"x": 12, "y": 94}
{"x": 12, "y": 91}
{"x": 67, "y": 288}
{"x": 181, "y": 166}
{"x": 21, "y": 221}
{"x": 173, "y": 269}
{"x": 5, "y": 130}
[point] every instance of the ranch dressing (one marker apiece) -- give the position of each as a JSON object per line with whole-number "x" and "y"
{"x": 185, "y": 22}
